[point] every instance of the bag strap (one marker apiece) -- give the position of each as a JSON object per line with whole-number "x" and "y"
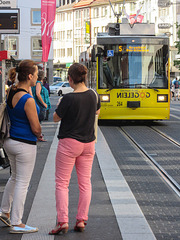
{"x": 95, "y": 94}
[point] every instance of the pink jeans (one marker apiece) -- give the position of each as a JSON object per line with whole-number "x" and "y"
{"x": 70, "y": 152}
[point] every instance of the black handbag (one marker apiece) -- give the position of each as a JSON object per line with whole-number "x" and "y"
{"x": 42, "y": 111}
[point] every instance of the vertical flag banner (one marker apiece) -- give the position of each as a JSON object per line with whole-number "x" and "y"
{"x": 48, "y": 12}
{"x": 87, "y": 31}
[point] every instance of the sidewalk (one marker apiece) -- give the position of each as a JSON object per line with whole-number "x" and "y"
{"x": 114, "y": 212}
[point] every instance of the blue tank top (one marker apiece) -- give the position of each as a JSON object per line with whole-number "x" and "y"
{"x": 20, "y": 129}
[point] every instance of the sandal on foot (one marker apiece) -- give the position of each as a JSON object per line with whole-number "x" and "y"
{"x": 5, "y": 219}
{"x": 26, "y": 229}
{"x": 78, "y": 228}
{"x": 59, "y": 229}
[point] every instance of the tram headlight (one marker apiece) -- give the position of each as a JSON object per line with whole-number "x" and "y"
{"x": 162, "y": 98}
{"x": 104, "y": 97}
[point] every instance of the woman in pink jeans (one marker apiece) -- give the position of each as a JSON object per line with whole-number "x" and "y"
{"x": 76, "y": 147}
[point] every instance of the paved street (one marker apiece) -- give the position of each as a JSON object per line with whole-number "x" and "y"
{"x": 130, "y": 199}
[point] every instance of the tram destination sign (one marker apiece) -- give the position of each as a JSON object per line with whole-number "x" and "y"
{"x": 9, "y": 21}
{"x": 124, "y": 48}
{"x": 164, "y": 25}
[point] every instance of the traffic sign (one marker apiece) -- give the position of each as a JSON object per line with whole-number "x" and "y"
{"x": 110, "y": 53}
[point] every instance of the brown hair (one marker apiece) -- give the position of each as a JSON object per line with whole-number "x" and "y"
{"x": 25, "y": 68}
{"x": 12, "y": 75}
{"x": 78, "y": 73}
{"x": 40, "y": 75}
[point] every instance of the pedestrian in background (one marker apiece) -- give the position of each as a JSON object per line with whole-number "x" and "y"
{"x": 175, "y": 88}
{"x": 41, "y": 96}
{"x": 76, "y": 146}
{"x": 11, "y": 77}
{"x": 21, "y": 146}
{"x": 46, "y": 85}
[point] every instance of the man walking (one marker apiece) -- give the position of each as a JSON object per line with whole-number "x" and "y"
{"x": 175, "y": 88}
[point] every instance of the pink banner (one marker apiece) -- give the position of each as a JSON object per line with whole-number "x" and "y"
{"x": 48, "y": 12}
{"x": 134, "y": 19}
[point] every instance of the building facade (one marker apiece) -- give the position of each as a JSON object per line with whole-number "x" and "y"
{"x": 27, "y": 44}
{"x": 77, "y": 24}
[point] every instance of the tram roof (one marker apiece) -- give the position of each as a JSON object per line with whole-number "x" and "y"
{"x": 126, "y": 39}
{"x": 124, "y": 33}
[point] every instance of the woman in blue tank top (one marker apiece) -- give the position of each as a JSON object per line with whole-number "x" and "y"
{"x": 21, "y": 146}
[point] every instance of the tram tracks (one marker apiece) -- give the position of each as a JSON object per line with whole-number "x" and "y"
{"x": 173, "y": 184}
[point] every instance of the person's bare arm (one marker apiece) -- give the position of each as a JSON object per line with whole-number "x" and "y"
{"x": 38, "y": 94}
{"x": 56, "y": 118}
{"x": 98, "y": 112}
{"x": 31, "y": 112}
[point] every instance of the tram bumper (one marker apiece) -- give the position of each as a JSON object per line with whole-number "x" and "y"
{"x": 134, "y": 113}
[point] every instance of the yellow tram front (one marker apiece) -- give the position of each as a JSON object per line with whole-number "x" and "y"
{"x": 133, "y": 77}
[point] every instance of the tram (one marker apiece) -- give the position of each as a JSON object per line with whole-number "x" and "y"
{"x": 132, "y": 73}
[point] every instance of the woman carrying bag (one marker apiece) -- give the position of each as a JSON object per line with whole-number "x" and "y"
{"x": 20, "y": 146}
{"x": 41, "y": 96}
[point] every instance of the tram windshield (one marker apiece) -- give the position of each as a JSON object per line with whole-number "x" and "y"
{"x": 133, "y": 66}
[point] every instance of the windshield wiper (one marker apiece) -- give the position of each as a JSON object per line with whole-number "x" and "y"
{"x": 110, "y": 88}
{"x": 155, "y": 89}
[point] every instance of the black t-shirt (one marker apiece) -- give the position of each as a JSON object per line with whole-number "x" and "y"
{"x": 77, "y": 111}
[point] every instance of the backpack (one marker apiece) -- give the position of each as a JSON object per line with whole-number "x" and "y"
{"x": 176, "y": 84}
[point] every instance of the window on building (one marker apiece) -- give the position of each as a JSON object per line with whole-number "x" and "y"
{"x": 103, "y": 29}
{"x": 36, "y": 16}
{"x": 132, "y": 7}
{"x": 62, "y": 52}
{"x": 96, "y": 13}
{"x": 62, "y": 17}
{"x": 36, "y": 46}
{"x": 78, "y": 50}
{"x": 69, "y": 52}
{"x": 67, "y": 1}
{"x": 96, "y": 29}
{"x": 62, "y": 35}
{"x": 11, "y": 45}
{"x": 58, "y": 17}
{"x": 54, "y": 53}
{"x": 69, "y": 34}
{"x": 64, "y": 2}
{"x": 73, "y": 1}
{"x": 58, "y": 35}
{"x": 104, "y": 11}
{"x": 178, "y": 10}
{"x": 78, "y": 14}
{"x": 54, "y": 37}
{"x": 69, "y": 16}
{"x": 163, "y": 12}
{"x": 58, "y": 53}
{"x": 86, "y": 13}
